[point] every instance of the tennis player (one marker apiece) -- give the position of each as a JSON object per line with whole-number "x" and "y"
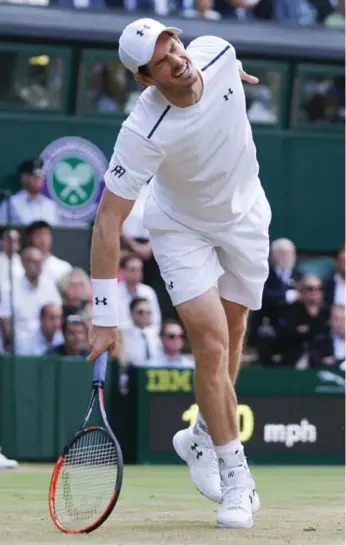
{"x": 208, "y": 218}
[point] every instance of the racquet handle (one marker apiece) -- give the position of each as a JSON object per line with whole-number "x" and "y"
{"x": 100, "y": 369}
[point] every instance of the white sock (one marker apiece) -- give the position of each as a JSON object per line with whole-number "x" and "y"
{"x": 229, "y": 455}
{"x": 201, "y": 426}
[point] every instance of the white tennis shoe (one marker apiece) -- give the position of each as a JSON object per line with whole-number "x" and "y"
{"x": 204, "y": 468}
{"x": 236, "y": 507}
{"x": 200, "y": 456}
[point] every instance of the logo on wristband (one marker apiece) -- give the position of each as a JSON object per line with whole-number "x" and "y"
{"x": 99, "y": 301}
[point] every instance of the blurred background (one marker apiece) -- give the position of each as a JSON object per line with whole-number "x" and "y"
{"x": 63, "y": 97}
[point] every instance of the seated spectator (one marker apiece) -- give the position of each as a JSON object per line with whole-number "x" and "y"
{"x": 75, "y": 342}
{"x": 301, "y": 322}
{"x": 29, "y": 204}
{"x": 10, "y": 242}
{"x": 132, "y": 287}
{"x": 280, "y": 286}
{"x": 335, "y": 285}
{"x": 279, "y": 289}
{"x": 40, "y": 235}
{"x": 141, "y": 340}
{"x": 329, "y": 350}
{"x": 31, "y": 292}
{"x": 172, "y": 337}
{"x": 47, "y": 335}
{"x": 75, "y": 289}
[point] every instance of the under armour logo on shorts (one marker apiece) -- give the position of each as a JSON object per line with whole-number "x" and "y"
{"x": 102, "y": 301}
{"x": 230, "y": 92}
{"x": 170, "y": 286}
{"x": 118, "y": 171}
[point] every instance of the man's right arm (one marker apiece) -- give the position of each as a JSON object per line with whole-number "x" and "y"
{"x": 135, "y": 160}
{"x": 105, "y": 245}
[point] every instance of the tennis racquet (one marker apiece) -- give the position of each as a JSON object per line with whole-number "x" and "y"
{"x": 87, "y": 477}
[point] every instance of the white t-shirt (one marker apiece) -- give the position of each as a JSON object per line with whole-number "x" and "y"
{"x": 25, "y": 210}
{"x": 202, "y": 157}
{"x": 27, "y": 303}
{"x": 55, "y": 267}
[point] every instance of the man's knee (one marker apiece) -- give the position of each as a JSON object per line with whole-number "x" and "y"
{"x": 237, "y": 316}
{"x": 212, "y": 353}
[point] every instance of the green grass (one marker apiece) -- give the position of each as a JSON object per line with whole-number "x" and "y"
{"x": 159, "y": 505}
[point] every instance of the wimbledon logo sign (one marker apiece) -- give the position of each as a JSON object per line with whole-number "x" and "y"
{"x": 73, "y": 172}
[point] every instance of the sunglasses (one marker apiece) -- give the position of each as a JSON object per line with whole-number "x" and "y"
{"x": 313, "y": 288}
{"x": 174, "y": 336}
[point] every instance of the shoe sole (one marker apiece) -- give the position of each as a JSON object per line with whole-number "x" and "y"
{"x": 235, "y": 525}
{"x": 177, "y": 446}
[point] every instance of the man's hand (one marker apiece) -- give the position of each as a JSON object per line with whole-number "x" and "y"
{"x": 102, "y": 338}
{"x": 247, "y": 77}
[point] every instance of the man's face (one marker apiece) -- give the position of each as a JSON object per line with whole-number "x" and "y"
{"x": 76, "y": 290}
{"x": 170, "y": 67}
{"x": 141, "y": 315}
{"x": 133, "y": 271}
{"x": 32, "y": 263}
{"x": 311, "y": 290}
{"x": 337, "y": 321}
{"x": 284, "y": 256}
{"x": 173, "y": 338}
{"x": 75, "y": 337}
{"x": 33, "y": 183}
{"x": 42, "y": 239}
{"x": 52, "y": 319}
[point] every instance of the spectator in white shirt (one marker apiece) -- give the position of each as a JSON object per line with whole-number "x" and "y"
{"x": 141, "y": 340}
{"x": 47, "y": 335}
{"x": 29, "y": 204}
{"x": 75, "y": 289}
{"x": 10, "y": 243}
{"x": 40, "y": 235}
{"x": 172, "y": 337}
{"x": 30, "y": 293}
{"x": 132, "y": 287}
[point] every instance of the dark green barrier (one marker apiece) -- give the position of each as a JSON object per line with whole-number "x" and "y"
{"x": 43, "y": 401}
{"x": 285, "y": 416}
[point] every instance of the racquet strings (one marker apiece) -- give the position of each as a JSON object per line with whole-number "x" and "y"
{"x": 86, "y": 481}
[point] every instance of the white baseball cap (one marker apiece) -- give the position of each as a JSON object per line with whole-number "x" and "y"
{"x": 137, "y": 42}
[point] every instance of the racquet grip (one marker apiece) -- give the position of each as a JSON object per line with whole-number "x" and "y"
{"x": 100, "y": 369}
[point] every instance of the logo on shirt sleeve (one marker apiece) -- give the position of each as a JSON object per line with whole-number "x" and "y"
{"x": 118, "y": 171}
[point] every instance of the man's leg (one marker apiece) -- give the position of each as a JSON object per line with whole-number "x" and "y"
{"x": 236, "y": 316}
{"x": 206, "y": 325}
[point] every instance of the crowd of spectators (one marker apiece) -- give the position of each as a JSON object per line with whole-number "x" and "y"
{"x": 45, "y": 301}
{"x": 302, "y": 320}
{"x": 303, "y": 12}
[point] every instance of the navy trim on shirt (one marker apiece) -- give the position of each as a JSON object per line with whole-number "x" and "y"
{"x": 158, "y": 121}
{"x": 215, "y": 58}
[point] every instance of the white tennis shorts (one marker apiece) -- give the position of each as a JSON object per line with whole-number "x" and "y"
{"x": 235, "y": 258}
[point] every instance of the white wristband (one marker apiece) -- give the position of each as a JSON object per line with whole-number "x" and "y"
{"x": 105, "y": 302}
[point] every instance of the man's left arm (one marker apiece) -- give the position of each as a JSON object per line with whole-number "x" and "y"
{"x": 245, "y": 76}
